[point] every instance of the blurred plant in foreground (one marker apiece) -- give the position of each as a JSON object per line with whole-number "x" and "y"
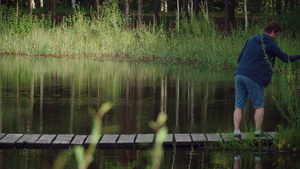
{"x": 161, "y": 132}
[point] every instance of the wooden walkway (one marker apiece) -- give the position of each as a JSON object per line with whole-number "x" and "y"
{"x": 115, "y": 141}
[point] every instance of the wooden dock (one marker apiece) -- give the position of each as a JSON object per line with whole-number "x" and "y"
{"x": 119, "y": 141}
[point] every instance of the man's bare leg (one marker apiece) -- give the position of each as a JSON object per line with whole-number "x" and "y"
{"x": 237, "y": 118}
{"x": 259, "y": 117}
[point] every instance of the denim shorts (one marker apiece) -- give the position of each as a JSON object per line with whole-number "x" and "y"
{"x": 245, "y": 86}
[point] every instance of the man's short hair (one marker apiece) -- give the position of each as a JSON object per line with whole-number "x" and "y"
{"x": 274, "y": 25}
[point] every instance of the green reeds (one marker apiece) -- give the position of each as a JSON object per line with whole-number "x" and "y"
{"x": 105, "y": 35}
{"x": 288, "y": 102}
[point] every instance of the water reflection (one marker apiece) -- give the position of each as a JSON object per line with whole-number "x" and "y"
{"x": 257, "y": 161}
{"x": 49, "y": 95}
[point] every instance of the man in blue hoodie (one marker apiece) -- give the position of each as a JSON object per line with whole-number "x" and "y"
{"x": 253, "y": 74}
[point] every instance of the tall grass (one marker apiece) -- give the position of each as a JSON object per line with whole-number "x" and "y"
{"x": 288, "y": 102}
{"x": 105, "y": 35}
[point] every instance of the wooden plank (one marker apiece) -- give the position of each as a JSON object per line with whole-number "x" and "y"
{"x": 88, "y": 140}
{"x": 78, "y": 140}
{"x": 27, "y": 141}
{"x": 2, "y": 135}
{"x": 45, "y": 141}
{"x": 126, "y": 140}
{"x": 9, "y": 140}
{"x": 246, "y": 136}
{"x": 213, "y": 137}
{"x": 268, "y": 138}
{"x": 62, "y": 141}
{"x": 108, "y": 141}
{"x": 183, "y": 140}
{"x": 272, "y": 134}
{"x": 198, "y": 139}
{"x": 144, "y": 140}
{"x": 227, "y": 137}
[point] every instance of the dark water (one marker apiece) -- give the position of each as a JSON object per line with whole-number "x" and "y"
{"x": 27, "y": 158}
{"x": 47, "y": 95}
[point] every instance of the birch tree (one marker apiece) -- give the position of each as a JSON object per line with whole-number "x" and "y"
{"x": 246, "y": 16}
{"x": 73, "y": 4}
{"x": 163, "y": 8}
{"x": 178, "y": 23}
{"x": 186, "y": 8}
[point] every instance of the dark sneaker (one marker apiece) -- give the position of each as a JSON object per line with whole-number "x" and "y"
{"x": 237, "y": 136}
{"x": 261, "y": 135}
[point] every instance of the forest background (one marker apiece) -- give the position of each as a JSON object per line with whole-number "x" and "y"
{"x": 202, "y": 33}
{"x": 184, "y": 31}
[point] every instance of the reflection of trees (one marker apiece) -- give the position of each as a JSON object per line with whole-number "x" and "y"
{"x": 163, "y": 100}
{"x": 1, "y": 160}
{"x": 41, "y": 103}
{"x": 139, "y": 91}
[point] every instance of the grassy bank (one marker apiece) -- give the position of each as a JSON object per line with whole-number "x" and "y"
{"x": 106, "y": 36}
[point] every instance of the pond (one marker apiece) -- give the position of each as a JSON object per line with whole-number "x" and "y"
{"x": 59, "y": 96}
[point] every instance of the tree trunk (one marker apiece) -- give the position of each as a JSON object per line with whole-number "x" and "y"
{"x": 155, "y": 10}
{"x": 251, "y": 13}
{"x": 286, "y": 2}
{"x": 178, "y": 19}
{"x": 127, "y": 12}
{"x": 292, "y": 4}
{"x": 96, "y": 5}
{"x": 163, "y": 5}
{"x": 140, "y": 13}
{"x": 226, "y": 17}
{"x": 53, "y": 13}
{"x": 246, "y": 15}
{"x": 31, "y": 5}
{"x": 73, "y": 4}
{"x": 231, "y": 12}
{"x": 196, "y": 7}
{"x": 186, "y": 8}
{"x": 42, "y": 3}
{"x": 278, "y": 7}
{"x": 47, "y": 8}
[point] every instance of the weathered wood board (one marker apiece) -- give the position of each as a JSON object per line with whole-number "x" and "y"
{"x": 198, "y": 139}
{"x": 9, "y": 140}
{"x": 78, "y": 140}
{"x": 108, "y": 141}
{"x": 45, "y": 141}
{"x": 62, "y": 141}
{"x": 27, "y": 141}
{"x": 213, "y": 137}
{"x": 88, "y": 140}
{"x": 144, "y": 140}
{"x": 126, "y": 140}
{"x": 183, "y": 139}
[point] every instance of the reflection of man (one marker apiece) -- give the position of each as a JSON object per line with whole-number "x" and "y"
{"x": 254, "y": 71}
{"x": 237, "y": 164}
{"x": 258, "y": 163}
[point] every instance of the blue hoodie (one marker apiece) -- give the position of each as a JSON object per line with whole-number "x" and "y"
{"x": 257, "y": 59}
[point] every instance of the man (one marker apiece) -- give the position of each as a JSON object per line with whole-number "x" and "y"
{"x": 253, "y": 74}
